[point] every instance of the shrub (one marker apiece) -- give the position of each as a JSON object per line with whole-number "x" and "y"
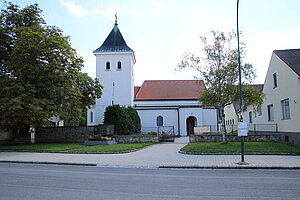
{"x": 126, "y": 120}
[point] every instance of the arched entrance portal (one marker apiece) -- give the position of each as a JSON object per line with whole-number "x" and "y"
{"x": 190, "y": 124}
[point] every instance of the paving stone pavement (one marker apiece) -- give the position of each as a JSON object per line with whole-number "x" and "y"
{"x": 158, "y": 155}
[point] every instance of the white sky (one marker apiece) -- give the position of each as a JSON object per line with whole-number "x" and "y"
{"x": 161, "y": 31}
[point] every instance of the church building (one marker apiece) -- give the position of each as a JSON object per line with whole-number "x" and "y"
{"x": 162, "y": 105}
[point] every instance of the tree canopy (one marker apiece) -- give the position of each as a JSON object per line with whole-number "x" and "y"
{"x": 218, "y": 67}
{"x": 40, "y": 73}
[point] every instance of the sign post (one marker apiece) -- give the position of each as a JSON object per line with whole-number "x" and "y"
{"x": 242, "y": 132}
{"x": 242, "y": 127}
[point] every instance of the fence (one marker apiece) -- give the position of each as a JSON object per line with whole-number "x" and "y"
{"x": 159, "y": 130}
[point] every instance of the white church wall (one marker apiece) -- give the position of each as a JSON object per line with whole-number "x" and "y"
{"x": 170, "y": 111}
{"x": 185, "y": 113}
{"x": 149, "y": 119}
{"x": 209, "y": 117}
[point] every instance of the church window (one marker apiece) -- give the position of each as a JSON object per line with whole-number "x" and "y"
{"x": 159, "y": 121}
{"x": 107, "y": 65}
{"x": 119, "y": 67}
{"x": 92, "y": 117}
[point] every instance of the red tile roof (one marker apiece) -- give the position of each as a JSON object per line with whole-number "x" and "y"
{"x": 170, "y": 90}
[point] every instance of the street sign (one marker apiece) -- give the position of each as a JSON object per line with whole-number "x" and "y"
{"x": 242, "y": 129}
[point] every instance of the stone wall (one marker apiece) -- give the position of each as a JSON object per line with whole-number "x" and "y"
{"x": 235, "y": 138}
{"x": 104, "y": 130}
{"x": 65, "y": 134}
{"x": 136, "y": 138}
{"x": 6, "y": 136}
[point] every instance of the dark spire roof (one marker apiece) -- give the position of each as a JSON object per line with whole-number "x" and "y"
{"x": 114, "y": 42}
{"x": 291, "y": 57}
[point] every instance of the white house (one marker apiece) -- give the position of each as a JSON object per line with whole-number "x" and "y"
{"x": 281, "y": 108}
{"x": 249, "y": 114}
{"x": 162, "y": 105}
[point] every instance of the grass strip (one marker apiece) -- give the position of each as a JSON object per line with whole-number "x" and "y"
{"x": 41, "y": 147}
{"x": 234, "y": 147}
{"x": 113, "y": 148}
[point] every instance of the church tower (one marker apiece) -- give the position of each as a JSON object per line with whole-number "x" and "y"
{"x": 114, "y": 69}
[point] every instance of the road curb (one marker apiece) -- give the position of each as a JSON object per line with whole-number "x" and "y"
{"x": 47, "y": 163}
{"x": 155, "y": 166}
{"x": 232, "y": 167}
{"x": 256, "y": 154}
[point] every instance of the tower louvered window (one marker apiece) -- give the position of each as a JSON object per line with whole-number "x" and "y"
{"x": 107, "y": 65}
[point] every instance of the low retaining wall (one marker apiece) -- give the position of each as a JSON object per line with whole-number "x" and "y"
{"x": 77, "y": 134}
{"x": 235, "y": 138}
{"x": 63, "y": 134}
{"x": 136, "y": 138}
{"x": 290, "y": 137}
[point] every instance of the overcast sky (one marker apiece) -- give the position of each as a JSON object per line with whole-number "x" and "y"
{"x": 161, "y": 31}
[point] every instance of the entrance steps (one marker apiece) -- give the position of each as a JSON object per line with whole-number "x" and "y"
{"x": 182, "y": 140}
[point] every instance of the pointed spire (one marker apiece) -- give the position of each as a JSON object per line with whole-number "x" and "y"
{"x": 114, "y": 41}
{"x": 116, "y": 20}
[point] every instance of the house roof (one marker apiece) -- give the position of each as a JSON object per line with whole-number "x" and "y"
{"x": 236, "y": 105}
{"x": 291, "y": 57}
{"x": 258, "y": 86}
{"x": 114, "y": 42}
{"x": 170, "y": 90}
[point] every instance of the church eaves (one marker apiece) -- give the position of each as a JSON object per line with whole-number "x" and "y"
{"x": 114, "y": 42}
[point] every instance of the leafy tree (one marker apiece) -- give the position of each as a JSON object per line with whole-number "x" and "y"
{"x": 125, "y": 120}
{"x": 40, "y": 73}
{"x": 219, "y": 68}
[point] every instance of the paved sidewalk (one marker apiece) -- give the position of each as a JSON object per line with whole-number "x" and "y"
{"x": 158, "y": 155}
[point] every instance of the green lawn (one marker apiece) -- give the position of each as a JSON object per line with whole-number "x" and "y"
{"x": 113, "y": 148}
{"x": 41, "y": 147}
{"x": 235, "y": 147}
{"x": 75, "y": 147}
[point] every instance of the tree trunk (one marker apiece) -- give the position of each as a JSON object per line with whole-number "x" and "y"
{"x": 224, "y": 135}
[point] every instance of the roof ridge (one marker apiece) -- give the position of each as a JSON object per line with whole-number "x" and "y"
{"x": 287, "y": 59}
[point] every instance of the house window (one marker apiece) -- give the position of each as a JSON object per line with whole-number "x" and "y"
{"x": 107, "y": 65}
{"x": 92, "y": 117}
{"x": 119, "y": 67}
{"x": 285, "y": 109}
{"x": 159, "y": 121}
{"x": 270, "y": 112}
{"x": 274, "y": 80}
{"x": 250, "y": 118}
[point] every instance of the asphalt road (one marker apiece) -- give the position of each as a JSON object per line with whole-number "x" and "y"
{"x": 43, "y": 182}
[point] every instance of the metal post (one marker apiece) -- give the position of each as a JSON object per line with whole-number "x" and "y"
{"x": 240, "y": 81}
